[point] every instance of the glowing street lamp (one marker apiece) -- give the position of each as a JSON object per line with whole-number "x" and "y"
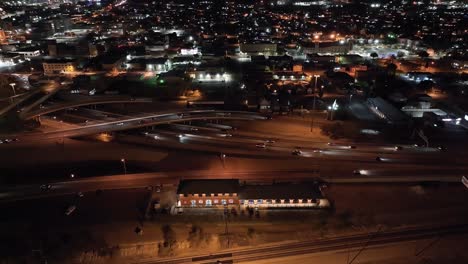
{"x": 332, "y": 108}
{"x": 124, "y": 165}
{"x": 13, "y": 88}
{"x": 223, "y": 159}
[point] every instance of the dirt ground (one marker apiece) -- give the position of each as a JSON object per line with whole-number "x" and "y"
{"x": 359, "y": 208}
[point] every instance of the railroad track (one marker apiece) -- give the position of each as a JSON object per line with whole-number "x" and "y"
{"x": 316, "y": 246}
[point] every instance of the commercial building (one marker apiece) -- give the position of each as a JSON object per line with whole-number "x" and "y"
{"x": 28, "y": 52}
{"x": 259, "y": 48}
{"x": 326, "y": 47}
{"x": 110, "y": 63}
{"x": 208, "y": 193}
{"x": 222, "y": 193}
{"x": 149, "y": 64}
{"x": 58, "y": 66}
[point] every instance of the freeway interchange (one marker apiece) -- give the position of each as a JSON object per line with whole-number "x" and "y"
{"x": 336, "y": 162}
{"x": 216, "y": 144}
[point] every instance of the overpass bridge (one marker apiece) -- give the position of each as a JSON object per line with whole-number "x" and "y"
{"x": 126, "y": 123}
{"x": 64, "y": 106}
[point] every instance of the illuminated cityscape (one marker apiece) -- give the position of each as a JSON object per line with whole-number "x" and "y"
{"x": 237, "y": 131}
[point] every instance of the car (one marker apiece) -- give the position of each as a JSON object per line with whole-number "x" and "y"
{"x": 1, "y": 141}
{"x": 120, "y": 124}
{"x": 441, "y": 148}
{"x": 46, "y": 187}
{"x": 70, "y": 210}
{"x": 351, "y": 147}
{"x": 79, "y": 194}
{"x": 180, "y": 135}
{"x": 397, "y": 148}
{"x": 261, "y": 145}
{"x": 356, "y": 172}
{"x": 156, "y": 137}
{"x": 316, "y": 150}
{"x": 193, "y": 129}
{"x": 270, "y": 141}
{"x": 296, "y": 152}
{"x": 331, "y": 144}
{"x": 7, "y": 140}
{"x": 378, "y": 159}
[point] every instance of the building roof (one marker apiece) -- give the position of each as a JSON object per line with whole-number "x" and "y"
{"x": 59, "y": 60}
{"x": 208, "y": 186}
{"x": 305, "y": 190}
{"x": 108, "y": 59}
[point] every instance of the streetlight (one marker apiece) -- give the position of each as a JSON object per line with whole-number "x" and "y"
{"x": 316, "y": 76}
{"x": 223, "y": 159}
{"x": 13, "y": 88}
{"x": 124, "y": 165}
{"x": 72, "y": 175}
{"x": 331, "y": 109}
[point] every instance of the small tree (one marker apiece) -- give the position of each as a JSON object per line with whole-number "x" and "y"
{"x": 196, "y": 236}
{"x": 169, "y": 236}
{"x": 251, "y": 232}
{"x": 400, "y": 54}
{"x": 424, "y": 55}
{"x": 391, "y": 69}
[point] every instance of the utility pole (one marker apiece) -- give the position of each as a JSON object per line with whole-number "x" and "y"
{"x": 226, "y": 230}
{"x": 365, "y": 245}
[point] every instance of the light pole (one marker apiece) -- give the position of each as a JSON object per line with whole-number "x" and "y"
{"x": 13, "y": 88}
{"x": 332, "y": 109}
{"x": 316, "y": 76}
{"x": 124, "y": 165}
{"x": 223, "y": 159}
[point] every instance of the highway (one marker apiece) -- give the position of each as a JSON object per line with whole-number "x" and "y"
{"x": 92, "y": 101}
{"x": 142, "y": 180}
{"x": 361, "y": 241}
{"x": 21, "y": 100}
{"x": 236, "y": 143}
{"x": 126, "y": 123}
{"x": 49, "y": 89}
